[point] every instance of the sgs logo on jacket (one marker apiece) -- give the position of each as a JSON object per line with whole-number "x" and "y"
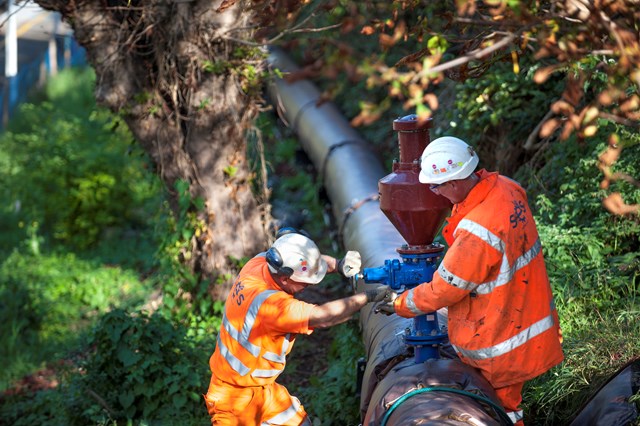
{"x": 237, "y": 293}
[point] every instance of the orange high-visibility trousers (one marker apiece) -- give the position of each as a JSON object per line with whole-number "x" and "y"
{"x": 511, "y": 397}
{"x": 272, "y": 404}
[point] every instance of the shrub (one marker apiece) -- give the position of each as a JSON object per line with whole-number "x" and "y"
{"x": 48, "y": 300}
{"x": 71, "y": 170}
{"x": 140, "y": 367}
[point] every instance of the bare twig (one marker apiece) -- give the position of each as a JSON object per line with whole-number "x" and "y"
{"x": 626, "y": 178}
{"x": 612, "y": 27}
{"x": 619, "y": 120}
{"x": 476, "y": 54}
{"x": 530, "y": 143}
{"x": 487, "y": 23}
{"x": 102, "y": 402}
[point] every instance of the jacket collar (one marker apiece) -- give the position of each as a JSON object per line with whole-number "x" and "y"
{"x": 477, "y": 194}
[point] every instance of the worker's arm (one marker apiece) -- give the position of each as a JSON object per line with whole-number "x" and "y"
{"x": 332, "y": 263}
{"x": 338, "y": 311}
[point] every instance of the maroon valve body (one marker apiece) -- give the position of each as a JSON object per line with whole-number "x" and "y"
{"x": 415, "y": 211}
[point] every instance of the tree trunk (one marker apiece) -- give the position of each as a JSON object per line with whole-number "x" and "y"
{"x": 173, "y": 70}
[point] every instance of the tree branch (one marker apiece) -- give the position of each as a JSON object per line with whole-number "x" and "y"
{"x": 529, "y": 144}
{"x": 476, "y": 54}
{"x": 619, "y": 120}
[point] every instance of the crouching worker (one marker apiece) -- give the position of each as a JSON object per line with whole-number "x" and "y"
{"x": 260, "y": 324}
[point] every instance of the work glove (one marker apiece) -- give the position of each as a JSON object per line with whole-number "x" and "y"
{"x": 350, "y": 264}
{"x": 380, "y": 293}
{"x": 386, "y": 306}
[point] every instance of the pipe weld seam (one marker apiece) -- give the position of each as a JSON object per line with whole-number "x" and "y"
{"x": 346, "y": 214}
{"x": 301, "y": 111}
{"x": 333, "y": 148}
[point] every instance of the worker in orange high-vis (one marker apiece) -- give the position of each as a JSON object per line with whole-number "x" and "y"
{"x": 501, "y": 315}
{"x": 259, "y": 326}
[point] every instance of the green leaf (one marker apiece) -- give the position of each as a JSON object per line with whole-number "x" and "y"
{"x": 179, "y": 400}
{"x": 437, "y": 44}
{"x": 127, "y": 356}
{"x": 126, "y": 399}
{"x": 230, "y": 171}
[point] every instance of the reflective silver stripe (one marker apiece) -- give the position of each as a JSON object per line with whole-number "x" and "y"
{"x": 243, "y": 337}
{"x": 265, "y": 373}
{"x": 234, "y": 362}
{"x": 455, "y": 280}
{"x": 282, "y": 357}
{"x": 238, "y": 337}
{"x": 250, "y": 318}
{"x": 507, "y": 273}
{"x": 286, "y": 415}
{"x": 510, "y": 344}
{"x": 483, "y": 233}
{"x": 411, "y": 304}
{"x": 252, "y": 313}
{"x": 515, "y": 416}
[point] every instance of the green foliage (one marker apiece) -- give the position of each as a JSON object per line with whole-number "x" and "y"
{"x": 69, "y": 170}
{"x": 332, "y": 397}
{"x": 137, "y": 367}
{"x": 593, "y": 352}
{"x": 293, "y": 178}
{"x": 40, "y": 408}
{"x": 47, "y": 301}
{"x": 186, "y": 299}
{"x": 593, "y": 261}
{"x": 143, "y": 367}
{"x": 500, "y": 101}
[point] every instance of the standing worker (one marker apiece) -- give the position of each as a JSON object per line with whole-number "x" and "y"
{"x": 260, "y": 322}
{"x": 493, "y": 279}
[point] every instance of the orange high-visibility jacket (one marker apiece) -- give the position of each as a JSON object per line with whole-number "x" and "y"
{"x": 502, "y": 318}
{"x": 258, "y": 328}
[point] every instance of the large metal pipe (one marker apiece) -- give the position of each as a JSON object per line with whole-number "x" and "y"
{"x": 395, "y": 389}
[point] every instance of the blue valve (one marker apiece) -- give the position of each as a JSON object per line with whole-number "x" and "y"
{"x": 413, "y": 270}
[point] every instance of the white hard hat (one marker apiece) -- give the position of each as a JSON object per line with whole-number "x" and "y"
{"x": 297, "y": 257}
{"x": 447, "y": 158}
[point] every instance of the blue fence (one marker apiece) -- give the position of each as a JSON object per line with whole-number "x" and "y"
{"x": 34, "y": 74}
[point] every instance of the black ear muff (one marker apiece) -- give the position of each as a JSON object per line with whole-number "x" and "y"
{"x": 286, "y": 230}
{"x": 291, "y": 230}
{"x": 275, "y": 261}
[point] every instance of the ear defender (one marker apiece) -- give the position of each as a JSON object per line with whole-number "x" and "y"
{"x": 274, "y": 259}
{"x": 291, "y": 230}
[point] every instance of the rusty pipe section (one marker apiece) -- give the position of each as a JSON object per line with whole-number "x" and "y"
{"x": 395, "y": 389}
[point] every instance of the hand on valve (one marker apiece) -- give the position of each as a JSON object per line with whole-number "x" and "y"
{"x": 380, "y": 294}
{"x": 386, "y": 306}
{"x": 350, "y": 264}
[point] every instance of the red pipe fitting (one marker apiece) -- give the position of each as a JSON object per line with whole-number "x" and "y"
{"x": 415, "y": 211}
